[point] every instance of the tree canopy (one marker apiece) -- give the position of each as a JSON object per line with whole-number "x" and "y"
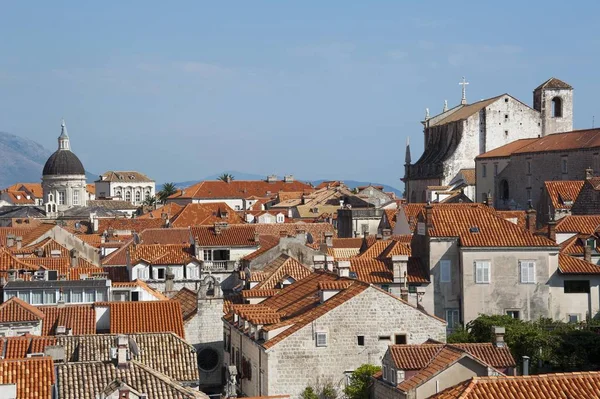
{"x": 168, "y": 189}
{"x": 358, "y": 388}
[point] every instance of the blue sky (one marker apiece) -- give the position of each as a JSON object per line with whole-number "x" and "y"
{"x": 182, "y": 90}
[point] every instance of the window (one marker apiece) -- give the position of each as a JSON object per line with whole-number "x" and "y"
{"x": 138, "y": 196}
{"x": 135, "y": 296}
{"x": 160, "y": 274}
{"x": 24, "y": 296}
{"x": 482, "y": 271}
{"x": 385, "y": 372}
{"x": 117, "y": 193}
{"x": 393, "y": 375}
{"x": 505, "y": 116}
{"x": 495, "y": 169}
{"x": 573, "y": 318}
{"x": 90, "y": 295}
{"x": 483, "y": 170}
{"x": 556, "y": 107}
{"x": 50, "y": 198}
{"x": 565, "y": 165}
{"x": 528, "y": 167}
{"x": 361, "y": 340}
{"x": 513, "y": 314}
{"x": 504, "y": 190}
{"x": 527, "y": 271}
{"x": 61, "y": 198}
{"x": 49, "y": 297}
{"x": 577, "y": 287}
{"x": 207, "y": 254}
{"x": 127, "y": 195}
{"x": 453, "y": 317}
{"x": 76, "y": 296}
{"x": 445, "y": 271}
{"x": 506, "y": 133}
{"x": 37, "y": 297}
{"x": 384, "y": 338}
{"x": 400, "y": 339}
{"x": 99, "y": 295}
{"x": 321, "y": 338}
{"x": 76, "y": 197}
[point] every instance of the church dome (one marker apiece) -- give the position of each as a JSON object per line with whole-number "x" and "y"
{"x": 63, "y": 161}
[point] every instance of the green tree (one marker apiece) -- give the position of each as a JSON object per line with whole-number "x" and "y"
{"x": 226, "y": 177}
{"x": 360, "y": 380}
{"x": 149, "y": 200}
{"x": 309, "y": 393}
{"x": 168, "y": 189}
{"x": 460, "y": 335}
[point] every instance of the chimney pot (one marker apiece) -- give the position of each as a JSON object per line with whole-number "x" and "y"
{"x": 429, "y": 215}
{"x": 589, "y": 173}
{"x": 499, "y": 336}
{"x": 530, "y": 219}
{"x": 552, "y": 230}
{"x": 329, "y": 239}
{"x": 587, "y": 252}
{"x": 19, "y": 241}
{"x": 525, "y": 365}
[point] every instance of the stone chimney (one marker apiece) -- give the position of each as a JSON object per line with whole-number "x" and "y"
{"x": 587, "y": 252}
{"x": 552, "y": 230}
{"x": 499, "y": 336}
{"x": 122, "y": 351}
{"x": 169, "y": 280}
{"x": 329, "y": 239}
{"x": 386, "y": 233}
{"x": 256, "y": 237}
{"x": 530, "y": 219}
{"x": 319, "y": 262}
{"x": 288, "y": 178}
{"x": 400, "y": 268}
{"x": 589, "y": 173}
{"x": 428, "y": 215}
{"x": 94, "y": 222}
{"x": 489, "y": 199}
{"x": 343, "y": 267}
{"x": 271, "y": 178}
{"x": 19, "y": 241}
{"x": 404, "y": 294}
{"x": 10, "y": 240}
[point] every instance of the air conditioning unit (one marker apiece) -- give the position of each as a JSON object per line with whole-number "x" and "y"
{"x": 39, "y": 275}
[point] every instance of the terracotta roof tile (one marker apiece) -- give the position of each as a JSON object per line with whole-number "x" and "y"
{"x": 206, "y": 215}
{"x": 48, "y": 246}
{"x": 34, "y": 377}
{"x": 378, "y": 271}
{"x": 582, "y": 385}
{"x": 166, "y": 236}
{"x": 34, "y": 188}
{"x": 585, "y": 224}
{"x": 469, "y": 175}
{"x": 81, "y": 319}
{"x": 124, "y": 176}
{"x": 441, "y": 360}
{"x": 563, "y": 193}
{"x": 129, "y": 224}
{"x": 189, "y": 302}
{"x": 239, "y": 189}
{"x": 345, "y": 243}
{"x": 156, "y": 254}
{"x": 150, "y": 316}
{"x": 171, "y": 210}
{"x": 16, "y": 310}
{"x": 507, "y": 149}
{"x": 279, "y": 269}
{"x": 571, "y": 265}
{"x": 19, "y": 197}
{"x": 236, "y": 235}
{"x": 259, "y": 293}
{"x": 266, "y": 243}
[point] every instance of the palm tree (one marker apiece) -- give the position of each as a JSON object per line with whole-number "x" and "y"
{"x": 150, "y": 200}
{"x": 167, "y": 190}
{"x": 226, "y": 177}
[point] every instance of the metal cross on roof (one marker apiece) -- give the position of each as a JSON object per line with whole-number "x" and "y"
{"x": 464, "y": 84}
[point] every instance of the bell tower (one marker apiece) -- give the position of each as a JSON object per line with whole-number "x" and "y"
{"x": 554, "y": 100}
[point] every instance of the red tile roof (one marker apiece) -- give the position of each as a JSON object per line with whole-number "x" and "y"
{"x": 445, "y": 357}
{"x": 378, "y": 271}
{"x": 571, "y": 265}
{"x": 189, "y": 302}
{"x": 81, "y": 319}
{"x": 154, "y": 254}
{"x": 34, "y": 377}
{"x": 166, "y": 236}
{"x": 16, "y": 310}
{"x": 281, "y": 268}
{"x": 507, "y": 149}
{"x": 266, "y": 242}
{"x": 585, "y": 224}
{"x": 19, "y": 197}
{"x": 140, "y": 317}
{"x": 128, "y": 224}
{"x": 33, "y": 188}
{"x": 206, "y": 215}
{"x": 212, "y": 189}
{"x": 582, "y": 385}
{"x": 236, "y": 236}
{"x": 563, "y": 193}
{"x": 171, "y": 210}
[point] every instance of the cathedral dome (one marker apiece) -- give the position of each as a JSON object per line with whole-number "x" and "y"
{"x": 63, "y": 161}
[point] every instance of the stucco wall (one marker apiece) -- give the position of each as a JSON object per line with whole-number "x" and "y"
{"x": 563, "y": 304}
{"x": 460, "y": 371}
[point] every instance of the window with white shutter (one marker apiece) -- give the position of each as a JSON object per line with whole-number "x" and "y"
{"x": 445, "y": 271}
{"x": 527, "y": 271}
{"x": 482, "y": 271}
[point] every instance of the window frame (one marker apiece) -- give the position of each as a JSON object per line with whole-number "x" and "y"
{"x": 480, "y": 263}
{"x": 359, "y": 339}
{"x": 454, "y": 314}
{"x": 483, "y": 170}
{"x": 511, "y": 312}
{"x": 564, "y": 165}
{"x": 531, "y": 269}
{"x": 75, "y": 197}
{"x": 574, "y": 289}
{"x": 321, "y": 334}
{"x": 62, "y": 198}
{"x": 445, "y": 271}
{"x": 577, "y": 316}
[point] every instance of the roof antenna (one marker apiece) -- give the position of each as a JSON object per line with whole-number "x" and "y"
{"x": 593, "y": 120}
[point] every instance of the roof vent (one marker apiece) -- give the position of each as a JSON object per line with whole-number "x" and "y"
{"x": 474, "y": 229}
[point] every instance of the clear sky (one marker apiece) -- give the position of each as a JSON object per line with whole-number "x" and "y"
{"x": 319, "y": 89}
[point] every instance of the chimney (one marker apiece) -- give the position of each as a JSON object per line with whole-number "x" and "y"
{"x": 169, "y": 280}
{"x": 404, "y": 294}
{"x": 343, "y": 267}
{"x": 499, "y": 336}
{"x": 428, "y": 215}
{"x": 94, "y": 222}
{"x": 39, "y": 252}
{"x": 10, "y": 240}
{"x": 319, "y": 262}
{"x": 256, "y": 237}
{"x": 271, "y": 178}
{"x": 552, "y": 230}
{"x": 73, "y": 256}
{"x": 288, "y": 178}
{"x": 589, "y": 173}
{"x": 228, "y": 179}
{"x": 122, "y": 351}
{"x": 489, "y": 200}
{"x": 587, "y": 252}
{"x": 400, "y": 268}
{"x": 525, "y": 365}
{"x": 329, "y": 239}
{"x": 530, "y": 221}
{"x": 19, "y": 241}
{"x": 387, "y": 233}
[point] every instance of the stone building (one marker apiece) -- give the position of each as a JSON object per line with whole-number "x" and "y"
{"x": 133, "y": 187}
{"x": 456, "y": 136}
{"x": 317, "y": 330}
{"x": 515, "y": 174}
{"x": 63, "y": 178}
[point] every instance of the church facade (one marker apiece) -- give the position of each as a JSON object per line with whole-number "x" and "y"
{"x": 455, "y": 137}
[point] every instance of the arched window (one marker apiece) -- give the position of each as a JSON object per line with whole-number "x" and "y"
{"x": 138, "y": 196}
{"x": 118, "y": 194}
{"x": 556, "y": 107}
{"x": 504, "y": 190}
{"x": 127, "y": 195}
{"x": 50, "y": 198}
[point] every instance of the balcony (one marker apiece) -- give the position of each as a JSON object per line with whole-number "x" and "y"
{"x": 219, "y": 265}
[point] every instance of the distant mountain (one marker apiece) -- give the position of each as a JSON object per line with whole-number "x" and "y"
{"x": 22, "y": 160}
{"x": 249, "y": 176}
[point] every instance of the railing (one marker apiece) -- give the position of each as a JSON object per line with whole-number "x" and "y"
{"x": 219, "y": 265}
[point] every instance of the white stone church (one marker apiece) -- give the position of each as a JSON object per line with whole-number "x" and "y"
{"x": 456, "y": 136}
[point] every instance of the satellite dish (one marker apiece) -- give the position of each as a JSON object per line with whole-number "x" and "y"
{"x": 133, "y": 347}
{"x": 136, "y": 238}
{"x": 309, "y": 238}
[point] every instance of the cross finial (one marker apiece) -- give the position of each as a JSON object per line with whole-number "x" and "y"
{"x": 464, "y": 84}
